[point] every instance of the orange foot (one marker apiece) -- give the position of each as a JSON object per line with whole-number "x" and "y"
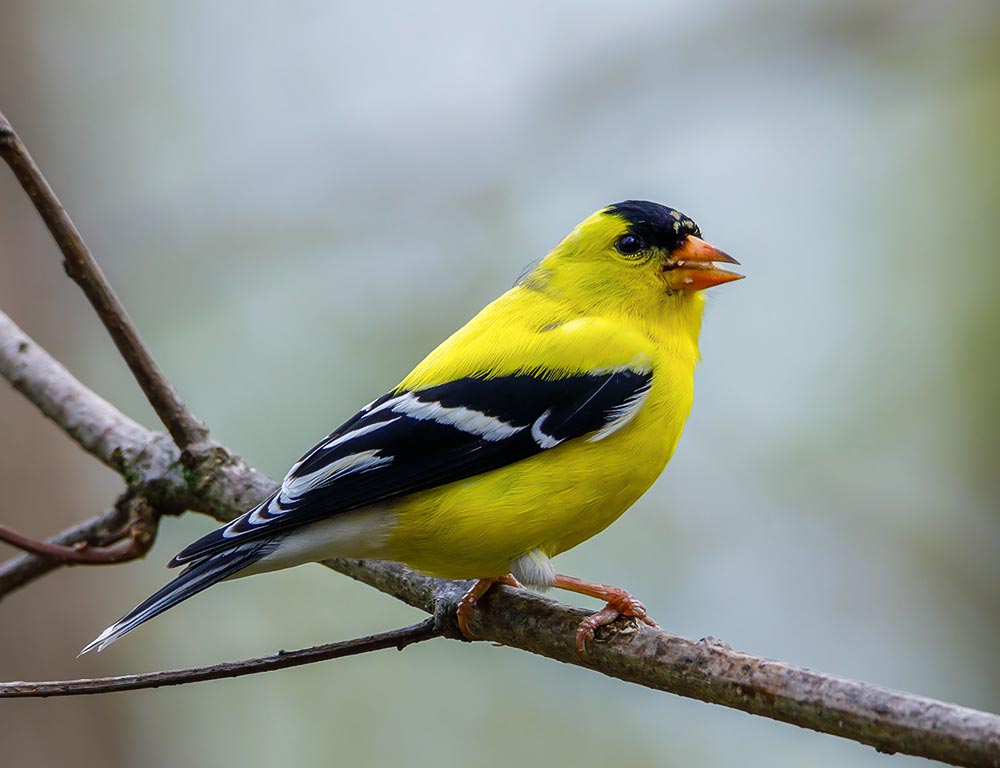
{"x": 467, "y": 605}
{"x": 619, "y": 603}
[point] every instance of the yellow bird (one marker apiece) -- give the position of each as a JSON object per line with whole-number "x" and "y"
{"x": 529, "y": 430}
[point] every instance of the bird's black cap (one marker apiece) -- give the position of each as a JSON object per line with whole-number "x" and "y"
{"x": 658, "y": 225}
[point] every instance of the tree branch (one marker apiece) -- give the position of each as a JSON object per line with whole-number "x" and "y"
{"x": 398, "y": 638}
{"x": 99, "y": 428}
{"x": 80, "y": 265}
{"x": 711, "y": 671}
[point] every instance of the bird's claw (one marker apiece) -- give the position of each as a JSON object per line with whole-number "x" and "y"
{"x": 463, "y": 614}
{"x": 467, "y": 604}
{"x": 618, "y": 605}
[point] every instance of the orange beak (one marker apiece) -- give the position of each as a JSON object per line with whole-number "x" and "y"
{"x": 692, "y": 266}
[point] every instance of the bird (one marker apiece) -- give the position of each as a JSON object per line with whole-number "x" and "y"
{"x": 529, "y": 430}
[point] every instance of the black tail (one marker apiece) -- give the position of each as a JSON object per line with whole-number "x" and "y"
{"x": 199, "y": 575}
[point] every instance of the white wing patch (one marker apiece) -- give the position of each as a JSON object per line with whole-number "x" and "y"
{"x": 473, "y": 422}
{"x": 259, "y": 514}
{"x": 623, "y": 414}
{"x": 544, "y": 440}
{"x": 362, "y": 461}
{"x": 358, "y": 433}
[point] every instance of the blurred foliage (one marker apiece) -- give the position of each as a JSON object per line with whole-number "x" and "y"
{"x": 298, "y": 200}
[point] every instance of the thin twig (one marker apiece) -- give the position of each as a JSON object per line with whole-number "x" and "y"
{"x": 398, "y": 638}
{"x": 132, "y": 541}
{"x": 125, "y": 532}
{"x": 80, "y": 265}
{"x": 79, "y": 554}
{"x": 19, "y": 571}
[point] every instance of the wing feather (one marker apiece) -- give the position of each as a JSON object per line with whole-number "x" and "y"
{"x": 409, "y": 441}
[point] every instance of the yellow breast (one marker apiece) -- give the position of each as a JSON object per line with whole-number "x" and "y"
{"x": 562, "y": 496}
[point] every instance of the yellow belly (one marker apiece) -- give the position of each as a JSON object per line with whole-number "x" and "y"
{"x": 553, "y": 501}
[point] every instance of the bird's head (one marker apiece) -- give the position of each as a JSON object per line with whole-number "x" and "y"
{"x": 634, "y": 257}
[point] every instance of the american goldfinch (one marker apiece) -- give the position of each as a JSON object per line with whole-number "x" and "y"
{"x": 529, "y": 430}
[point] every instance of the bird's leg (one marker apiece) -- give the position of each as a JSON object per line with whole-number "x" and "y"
{"x": 468, "y": 602}
{"x": 619, "y": 603}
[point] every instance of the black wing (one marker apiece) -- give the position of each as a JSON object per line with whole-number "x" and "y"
{"x": 411, "y": 441}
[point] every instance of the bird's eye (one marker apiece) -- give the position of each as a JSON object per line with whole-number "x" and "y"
{"x": 629, "y": 245}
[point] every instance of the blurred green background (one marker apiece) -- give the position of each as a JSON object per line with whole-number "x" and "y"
{"x": 296, "y": 201}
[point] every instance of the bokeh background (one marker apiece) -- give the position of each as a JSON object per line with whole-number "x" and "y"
{"x": 298, "y": 200}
